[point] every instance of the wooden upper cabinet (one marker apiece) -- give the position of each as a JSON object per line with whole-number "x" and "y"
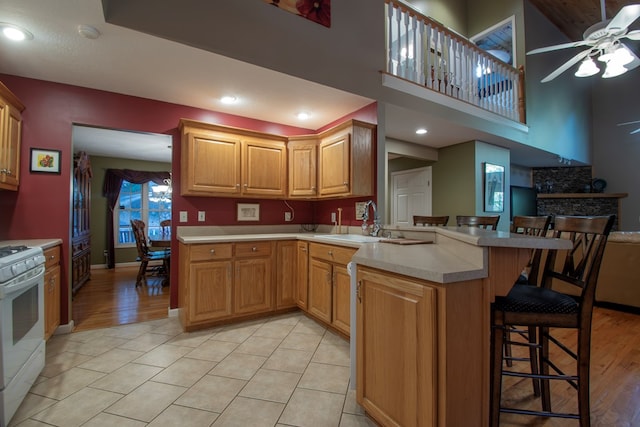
{"x": 10, "y": 137}
{"x": 345, "y": 160}
{"x": 264, "y": 167}
{"x": 303, "y": 158}
{"x": 229, "y": 162}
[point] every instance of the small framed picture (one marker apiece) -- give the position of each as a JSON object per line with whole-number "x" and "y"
{"x": 45, "y": 161}
{"x": 248, "y": 212}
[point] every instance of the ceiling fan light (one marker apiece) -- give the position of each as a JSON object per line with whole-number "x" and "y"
{"x": 613, "y": 69}
{"x": 587, "y": 68}
{"x": 622, "y": 56}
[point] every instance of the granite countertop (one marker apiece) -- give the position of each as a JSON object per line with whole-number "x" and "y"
{"x": 43, "y": 243}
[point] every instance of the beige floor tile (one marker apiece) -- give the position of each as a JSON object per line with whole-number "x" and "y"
{"x": 60, "y": 362}
{"x": 99, "y": 345}
{"x": 191, "y": 339}
{"x": 331, "y": 378}
{"x": 212, "y": 350}
{"x": 127, "y": 378}
{"x": 289, "y": 360}
{"x": 33, "y": 423}
{"x": 289, "y": 318}
{"x": 275, "y": 386}
{"x": 163, "y": 355}
{"x": 145, "y": 342}
{"x": 273, "y": 330}
{"x": 176, "y": 415}
{"x": 61, "y": 343}
{"x": 259, "y": 346}
{"x": 109, "y": 420}
{"x": 332, "y": 354}
{"x": 211, "y": 393}
{"x": 169, "y": 326}
{"x": 111, "y": 360}
{"x": 131, "y": 331}
{"x": 66, "y": 383}
{"x": 239, "y": 366}
{"x": 350, "y": 420}
{"x": 184, "y": 372}
{"x": 333, "y": 338}
{"x": 309, "y": 326}
{"x": 243, "y": 412}
{"x": 31, "y": 405}
{"x": 351, "y": 406}
{"x": 306, "y": 342}
{"x": 236, "y": 333}
{"x": 77, "y": 408}
{"x": 85, "y": 336}
{"x": 147, "y": 401}
{"x": 313, "y": 408}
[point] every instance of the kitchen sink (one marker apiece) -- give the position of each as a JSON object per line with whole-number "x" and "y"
{"x": 356, "y": 238}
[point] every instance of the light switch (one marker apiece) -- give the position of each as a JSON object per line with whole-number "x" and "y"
{"x": 183, "y": 216}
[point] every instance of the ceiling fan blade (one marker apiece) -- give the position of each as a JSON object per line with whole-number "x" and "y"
{"x": 634, "y": 132}
{"x": 570, "y": 63}
{"x": 632, "y": 35}
{"x": 629, "y": 123}
{"x": 624, "y": 18}
{"x": 557, "y": 47}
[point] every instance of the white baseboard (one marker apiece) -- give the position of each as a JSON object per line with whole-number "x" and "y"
{"x": 173, "y": 312}
{"x": 64, "y": 329}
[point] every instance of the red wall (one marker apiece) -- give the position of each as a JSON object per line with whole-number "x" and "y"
{"x": 41, "y": 207}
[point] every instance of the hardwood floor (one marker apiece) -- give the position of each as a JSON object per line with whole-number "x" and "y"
{"x": 615, "y": 377}
{"x": 111, "y": 298}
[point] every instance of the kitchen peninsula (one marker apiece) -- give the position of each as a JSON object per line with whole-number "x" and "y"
{"x": 422, "y": 328}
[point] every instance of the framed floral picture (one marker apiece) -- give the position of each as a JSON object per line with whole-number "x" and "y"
{"x": 45, "y": 161}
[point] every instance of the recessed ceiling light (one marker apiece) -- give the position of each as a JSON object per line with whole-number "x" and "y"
{"x": 88, "y": 31}
{"x": 15, "y": 33}
{"x": 421, "y": 131}
{"x": 303, "y": 116}
{"x": 228, "y": 99}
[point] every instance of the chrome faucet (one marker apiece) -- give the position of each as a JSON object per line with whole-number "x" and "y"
{"x": 376, "y": 220}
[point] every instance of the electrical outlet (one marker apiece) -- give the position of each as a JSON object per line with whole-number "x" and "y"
{"x": 287, "y": 216}
{"x": 333, "y": 217}
{"x": 183, "y": 216}
{"x": 201, "y": 216}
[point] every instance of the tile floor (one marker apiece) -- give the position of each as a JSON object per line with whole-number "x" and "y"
{"x": 285, "y": 370}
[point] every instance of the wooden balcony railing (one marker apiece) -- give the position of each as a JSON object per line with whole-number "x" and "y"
{"x": 424, "y": 52}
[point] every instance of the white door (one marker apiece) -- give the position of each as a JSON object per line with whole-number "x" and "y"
{"x": 410, "y": 195}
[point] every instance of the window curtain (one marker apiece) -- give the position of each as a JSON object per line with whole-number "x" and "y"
{"x": 111, "y": 190}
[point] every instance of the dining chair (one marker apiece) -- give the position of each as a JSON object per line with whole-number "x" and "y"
{"x": 430, "y": 220}
{"x": 543, "y": 307}
{"x": 145, "y": 255}
{"x": 165, "y": 229}
{"x": 489, "y": 222}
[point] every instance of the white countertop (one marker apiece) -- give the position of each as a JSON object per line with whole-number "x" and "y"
{"x": 43, "y": 243}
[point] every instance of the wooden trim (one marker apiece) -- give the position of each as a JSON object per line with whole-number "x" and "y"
{"x": 583, "y": 196}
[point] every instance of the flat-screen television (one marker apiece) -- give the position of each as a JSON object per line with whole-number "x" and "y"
{"x": 523, "y": 201}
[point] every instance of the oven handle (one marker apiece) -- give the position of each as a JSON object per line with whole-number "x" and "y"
{"x": 24, "y": 281}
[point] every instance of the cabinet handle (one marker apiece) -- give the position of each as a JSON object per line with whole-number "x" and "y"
{"x": 246, "y": 185}
{"x": 345, "y": 183}
{"x": 330, "y": 253}
{"x": 52, "y": 256}
{"x": 254, "y": 249}
{"x": 237, "y": 185}
{"x": 212, "y": 251}
{"x": 303, "y": 249}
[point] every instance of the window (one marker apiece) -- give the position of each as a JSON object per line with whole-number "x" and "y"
{"x": 139, "y": 201}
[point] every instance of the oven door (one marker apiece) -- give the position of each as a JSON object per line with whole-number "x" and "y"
{"x": 22, "y": 314}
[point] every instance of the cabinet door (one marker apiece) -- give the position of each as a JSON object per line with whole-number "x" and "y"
{"x": 10, "y": 134}
{"x": 334, "y": 165}
{"x": 51, "y": 300}
{"x": 302, "y": 274}
{"x": 286, "y": 274}
{"x": 302, "y": 168}
{"x": 396, "y": 349}
{"x": 252, "y": 284}
{"x": 210, "y": 164}
{"x": 264, "y": 168}
{"x": 320, "y": 284}
{"x": 341, "y": 299}
{"x": 210, "y": 290}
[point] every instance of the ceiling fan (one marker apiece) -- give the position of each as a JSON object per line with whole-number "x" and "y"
{"x": 631, "y": 123}
{"x": 604, "y": 42}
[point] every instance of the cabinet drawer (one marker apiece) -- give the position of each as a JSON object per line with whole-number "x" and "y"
{"x": 338, "y": 254}
{"x": 53, "y": 256}
{"x": 210, "y": 251}
{"x": 253, "y": 249}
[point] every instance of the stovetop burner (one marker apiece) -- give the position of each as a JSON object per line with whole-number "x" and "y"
{"x": 10, "y": 250}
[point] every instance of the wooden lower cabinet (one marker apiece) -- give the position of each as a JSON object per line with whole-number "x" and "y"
{"x": 210, "y": 291}
{"x": 302, "y": 274}
{"x": 329, "y": 285}
{"x": 286, "y": 266}
{"x": 419, "y": 349}
{"x": 52, "y": 284}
